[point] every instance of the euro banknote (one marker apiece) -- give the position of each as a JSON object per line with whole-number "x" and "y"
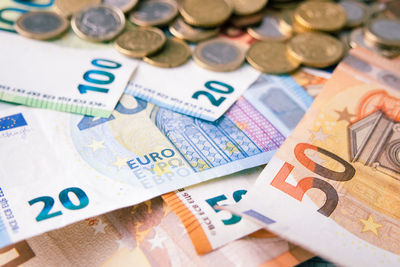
{"x": 148, "y": 234}
{"x": 333, "y": 185}
{"x": 39, "y": 74}
{"x": 282, "y": 101}
{"x": 207, "y": 227}
{"x": 188, "y": 89}
{"x": 60, "y": 168}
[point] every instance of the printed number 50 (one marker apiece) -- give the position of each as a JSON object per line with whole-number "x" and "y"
{"x": 237, "y": 196}
{"x": 217, "y": 87}
{"x": 297, "y": 192}
{"x": 65, "y": 201}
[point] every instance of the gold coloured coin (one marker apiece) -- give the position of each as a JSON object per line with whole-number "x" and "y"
{"x": 218, "y": 55}
{"x": 320, "y": 16}
{"x": 246, "y": 20}
{"x": 41, "y": 25}
{"x": 246, "y": 7}
{"x": 315, "y": 49}
{"x": 154, "y": 12}
{"x": 298, "y": 28}
{"x": 271, "y": 57}
{"x": 283, "y": 4}
{"x": 205, "y": 13}
{"x": 140, "y": 42}
{"x": 393, "y": 9}
{"x": 174, "y": 53}
{"x": 69, "y": 7}
{"x": 182, "y": 30}
{"x": 383, "y": 31}
{"x": 98, "y": 23}
{"x": 124, "y": 5}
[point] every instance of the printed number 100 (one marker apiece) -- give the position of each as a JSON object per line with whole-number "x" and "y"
{"x": 93, "y": 76}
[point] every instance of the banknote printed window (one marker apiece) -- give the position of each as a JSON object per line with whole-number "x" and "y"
{"x": 288, "y": 111}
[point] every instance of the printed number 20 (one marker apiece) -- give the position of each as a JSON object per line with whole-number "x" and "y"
{"x": 65, "y": 201}
{"x": 211, "y": 85}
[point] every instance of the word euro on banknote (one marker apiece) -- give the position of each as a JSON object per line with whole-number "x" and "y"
{"x": 60, "y": 168}
{"x": 188, "y": 89}
{"x": 44, "y": 75}
{"x": 333, "y": 186}
{"x": 148, "y": 234}
{"x": 282, "y": 102}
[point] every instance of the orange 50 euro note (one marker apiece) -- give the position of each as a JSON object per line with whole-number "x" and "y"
{"x": 334, "y": 185}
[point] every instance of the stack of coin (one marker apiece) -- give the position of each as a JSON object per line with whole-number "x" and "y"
{"x": 303, "y": 36}
{"x": 283, "y": 34}
{"x": 380, "y": 35}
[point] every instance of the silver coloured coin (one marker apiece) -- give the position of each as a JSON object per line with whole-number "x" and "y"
{"x": 384, "y": 31}
{"x": 41, "y": 25}
{"x": 269, "y": 29}
{"x": 124, "y": 5}
{"x": 154, "y": 12}
{"x": 357, "y": 13}
{"x": 357, "y": 38}
{"x": 98, "y": 23}
{"x": 218, "y": 55}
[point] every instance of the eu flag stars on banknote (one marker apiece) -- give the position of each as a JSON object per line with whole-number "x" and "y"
{"x": 139, "y": 152}
{"x": 176, "y": 133}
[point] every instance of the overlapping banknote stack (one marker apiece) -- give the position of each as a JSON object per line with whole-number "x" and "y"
{"x": 110, "y": 160}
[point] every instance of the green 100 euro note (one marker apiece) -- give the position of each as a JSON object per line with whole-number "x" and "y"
{"x": 188, "y": 89}
{"x": 40, "y": 74}
{"x": 58, "y": 168}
